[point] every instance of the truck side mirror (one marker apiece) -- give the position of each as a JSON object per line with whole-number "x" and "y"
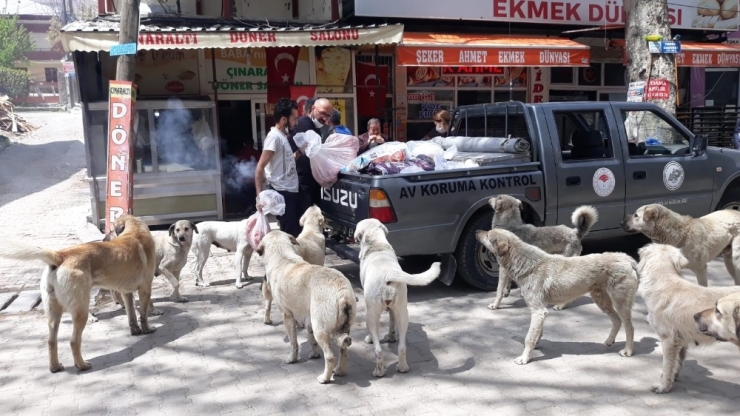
{"x": 700, "y": 144}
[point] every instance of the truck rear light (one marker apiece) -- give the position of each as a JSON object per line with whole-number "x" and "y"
{"x": 380, "y": 206}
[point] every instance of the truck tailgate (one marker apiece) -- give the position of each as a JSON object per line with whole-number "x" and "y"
{"x": 347, "y": 202}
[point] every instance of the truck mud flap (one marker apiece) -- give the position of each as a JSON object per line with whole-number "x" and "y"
{"x": 449, "y": 268}
{"x": 344, "y": 251}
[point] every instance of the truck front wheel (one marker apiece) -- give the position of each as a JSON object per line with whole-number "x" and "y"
{"x": 475, "y": 264}
{"x": 730, "y": 200}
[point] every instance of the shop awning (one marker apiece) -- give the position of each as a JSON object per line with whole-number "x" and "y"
{"x": 102, "y": 33}
{"x": 431, "y": 49}
{"x": 703, "y": 54}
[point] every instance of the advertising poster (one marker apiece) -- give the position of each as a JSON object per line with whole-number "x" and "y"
{"x": 162, "y": 72}
{"x": 635, "y": 92}
{"x": 333, "y": 67}
{"x": 119, "y": 199}
{"x": 244, "y": 70}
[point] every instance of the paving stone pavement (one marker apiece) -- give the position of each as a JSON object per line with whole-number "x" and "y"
{"x": 213, "y": 355}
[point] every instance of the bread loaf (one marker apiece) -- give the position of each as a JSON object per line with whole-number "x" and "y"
{"x": 728, "y": 9}
{"x": 708, "y": 8}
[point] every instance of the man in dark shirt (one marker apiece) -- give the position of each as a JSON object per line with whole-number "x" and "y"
{"x": 316, "y": 118}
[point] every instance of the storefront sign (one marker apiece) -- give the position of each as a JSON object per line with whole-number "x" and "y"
{"x": 120, "y": 178}
{"x": 103, "y": 40}
{"x": 699, "y": 54}
{"x": 473, "y": 70}
{"x": 68, "y": 67}
{"x": 682, "y": 14}
{"x": 658, "y": 89}
{"x": 539, "y": 85}
{"x": 244, "y": 71}
{"x": 496, "y": 56}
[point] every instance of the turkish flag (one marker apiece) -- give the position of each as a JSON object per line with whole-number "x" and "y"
{"x": 372, "y": 84}
{"x": 301, "y": 93}
{"x": 281, "y": 65}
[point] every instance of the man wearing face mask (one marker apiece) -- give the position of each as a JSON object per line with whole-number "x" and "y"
{"x": 276, "y": 168}
{"x": 317, "y": 117}
{"x": 372, "y": 137}
{"x": 442, "y": 119}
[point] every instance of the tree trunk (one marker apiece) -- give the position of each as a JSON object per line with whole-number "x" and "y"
{"x": 647, "y": 18}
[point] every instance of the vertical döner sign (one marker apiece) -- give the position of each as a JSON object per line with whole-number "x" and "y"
{"x": 119, "y": 198}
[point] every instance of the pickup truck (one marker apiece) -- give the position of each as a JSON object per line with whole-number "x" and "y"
{"x": 579, "y": 154}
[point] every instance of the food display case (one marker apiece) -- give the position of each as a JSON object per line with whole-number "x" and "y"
{"x": 177, "y": 169}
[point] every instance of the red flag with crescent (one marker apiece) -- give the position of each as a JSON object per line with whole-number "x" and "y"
{"x": 372, "y": 84}
{"x": 281, "y": 66}
{"x": 301, "y": 93}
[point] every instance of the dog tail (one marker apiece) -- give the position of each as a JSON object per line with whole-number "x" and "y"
{"x": 20, "y": 251}
{"x": 347, "y": 312}
{"x": 421, "y": 279}
{"x": 583, "y": 219}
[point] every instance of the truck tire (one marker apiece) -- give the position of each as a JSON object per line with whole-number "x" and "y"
{"x": 730, "y": 200}
{"x": 476, "y": 265}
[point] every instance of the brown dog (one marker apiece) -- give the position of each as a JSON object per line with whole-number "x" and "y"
{"x": 723, "y": 321}
{"x": 124, "y": 265}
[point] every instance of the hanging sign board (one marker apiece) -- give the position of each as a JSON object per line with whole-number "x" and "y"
{"x": 119, "y": 197}
{"x": 123, "y": 49}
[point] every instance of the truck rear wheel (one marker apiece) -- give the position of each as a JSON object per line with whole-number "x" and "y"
{"x": 730, "y": 200}
{"x": 475, "y": 264}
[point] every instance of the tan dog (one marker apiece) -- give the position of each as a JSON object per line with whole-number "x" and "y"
{"x": 721, "y": 322}
{"x": 384, "y": 284}
{"x": 558, "y": 239}
{"x": 124, "y": 265}
{"x": 700, "y": 239}
{"x": 320, "y": 297}
{"x": 311, "y": 247}
{"x": 672, "y": 302}
{"x": 544, "y": 279}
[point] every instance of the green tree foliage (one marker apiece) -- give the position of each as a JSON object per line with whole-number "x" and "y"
{"x": 16, "y": 42}
{"x": 14, "y": 82}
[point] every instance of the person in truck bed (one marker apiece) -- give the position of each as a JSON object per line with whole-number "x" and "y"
{"x": 372, "y": 137}
{"x": 442, "y": 121}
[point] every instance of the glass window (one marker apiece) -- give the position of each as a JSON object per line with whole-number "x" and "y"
{"x": 615, "y": 75}
{"x": 467, "y": 97}
{"x": 50, "y": 74}
{"x": 428, "y": 76}
{"x": 143, "y": 145}
{"x": 590, "y": 75}
{"x": 422, "y": 104}
{"x": 517, "y": 95}
{"x": 650, "y": 135}
{"x": 561, "y": 75}
{"x": 184, "y": 139}
{"x": 721, "y": 88}
{"x": 583, "y": 135}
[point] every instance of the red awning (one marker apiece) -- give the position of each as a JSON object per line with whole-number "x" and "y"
{"x": 431, "y": 49}
{"x": 703, "y": 54}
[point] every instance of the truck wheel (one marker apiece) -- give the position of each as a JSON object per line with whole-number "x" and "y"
{"x": 730, "y": 200}
{"x": 475, "y": 264}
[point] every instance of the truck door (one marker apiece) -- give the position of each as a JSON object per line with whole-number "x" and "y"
{"x": 659, "y": 166}
{"x": 589, "y": 165}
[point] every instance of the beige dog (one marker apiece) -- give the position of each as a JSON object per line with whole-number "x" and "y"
{"x": 544, "y": 279}
{"x": 384, "y": 284}
{"x": 311, "y": 247}
{"x": 672, "y": 302}
{"x": 700, "y": 239}
{"x": 559, "y": 239}
{"x": 721, "y": 322}
{"x": 124, "y": 265}
{"x": 320, "y": 297}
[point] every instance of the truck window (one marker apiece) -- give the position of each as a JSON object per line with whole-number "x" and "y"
{"x": 583, "y": 135}
{"x": 650, "y": 135}
{"x": 496, "y": 123}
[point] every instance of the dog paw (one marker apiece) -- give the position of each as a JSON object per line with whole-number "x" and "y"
{"x": 149, "y": 330}
{"x": 268, "y": 321}
{"x": 84, "y": 366}
{"x": 202, "y": 283}
{"x": 368, "y": 339}
{"x": 315, "y": 355}
{"x": 389, "y": 338}
{"x": 507, "y": 292}
{"x": 558, "y": 307}
{"x": 291, "y": 359}
{"x": 183, "y": 299}
{"x": 339, "y": 373}
{"x": 239, "y": 285}
{"x": 135, "y": 330}
{"x": 492, "y": 306}
{"x": 155, "y": 312}
{"x": 660, "y": 389}
{"x": 403, "y": 368}
{"x": 322, "y": 379}
{"x": 91, "y": 319}
{"x": 625, "y": 353}
{"x": 379, "y": 370}
{"x": 522, "y": 360}
{"x": 56, "y": 369}
{"x": 609, "y": 342}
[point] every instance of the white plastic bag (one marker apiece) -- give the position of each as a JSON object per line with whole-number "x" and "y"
{"x": 386, "y": 152}
{"x": 450, "y": 153}
{"x": 303, "y": 140}
{"x": 202, "y": 134}
{"x": 431, "y": 149}
{"x": 272, "y": 202}
{"x": 258, "y": 225}
{"x": 329, "y": 158}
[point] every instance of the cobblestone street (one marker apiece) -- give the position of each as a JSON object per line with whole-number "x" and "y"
{"x": 213, "y": 355}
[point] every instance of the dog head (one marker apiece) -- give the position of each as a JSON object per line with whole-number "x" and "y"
{"x": 498, "y": 241}
{"x": 660, "y": 256}
{"x": 276, "y": 242}
{"x": 368, "y": 228}
{"x": 644, "y": 220}
{"x": 182, "y": 231}
{"x": 313, "y": 218}
{"x": 126, "y": 224}
{"x": 505, "y": 203}
{"x": 723, "y": 321}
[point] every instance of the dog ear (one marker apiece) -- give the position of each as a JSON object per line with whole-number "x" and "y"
{"x": 650, "y": 213}
{"x": 501, "y": 246}
{"x": 119, "y": 227}
{"x": 294, "y": 241}
{"x": 358, "y": 235}
{"x": 492, "y": 202}
{"x": 171, "y": 230}
{"x": 385, "y": 229}
{"x": 260, "y": 249}
{"x": 736, "y": 318}
{"x": 195, "y": 229}
{"x": 301, "y": 220}
{"x": 521, "y": 206}
{"x": 109, "y": 237}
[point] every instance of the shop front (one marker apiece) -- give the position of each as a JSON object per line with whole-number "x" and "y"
{"x": 203, "y": 104}
{"x": 442, "y": 71}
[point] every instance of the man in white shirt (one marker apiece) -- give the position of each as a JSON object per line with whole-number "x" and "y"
{"x": 277, "y": 168}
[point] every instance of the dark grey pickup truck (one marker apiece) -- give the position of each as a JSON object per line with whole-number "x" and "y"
{"x": 615, "y": 156}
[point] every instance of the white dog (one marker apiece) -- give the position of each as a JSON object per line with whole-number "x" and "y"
{"x": 230, "y": 236}
{"x": 320, "y": 297}
{"x": 672, "y": 302}
{"x": 723, "y": 321}
{"x": 384, "y": 284}
{"x": 700, "y": 239}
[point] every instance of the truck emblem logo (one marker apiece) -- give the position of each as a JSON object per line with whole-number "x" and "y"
{"x": 603, "y": 182}
{"x": 673, "y": 175}
{"x": 340, "y": 196}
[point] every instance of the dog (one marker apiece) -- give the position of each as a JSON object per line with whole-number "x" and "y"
{"x": 559, "y": 239}
{"x": 228, "y": 235}
{"x": 320, "y": 297}
{"x": 124, "y": 265}
{"x": 171, "y": 256}
{"x": 700, "y": 239}
{"x": 672, "y": 302}
{"x": 721, "y": 322}
{"x": 311, "y": 247}
{"x": 544, "y": 279}
{"x": 384, "y": 284}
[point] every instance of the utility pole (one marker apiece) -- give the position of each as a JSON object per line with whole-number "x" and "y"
{"x": 129, "y": 31}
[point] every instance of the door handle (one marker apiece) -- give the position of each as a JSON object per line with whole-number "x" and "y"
{"x": 640, "y": 174}
{"x": 572, "y": 180}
